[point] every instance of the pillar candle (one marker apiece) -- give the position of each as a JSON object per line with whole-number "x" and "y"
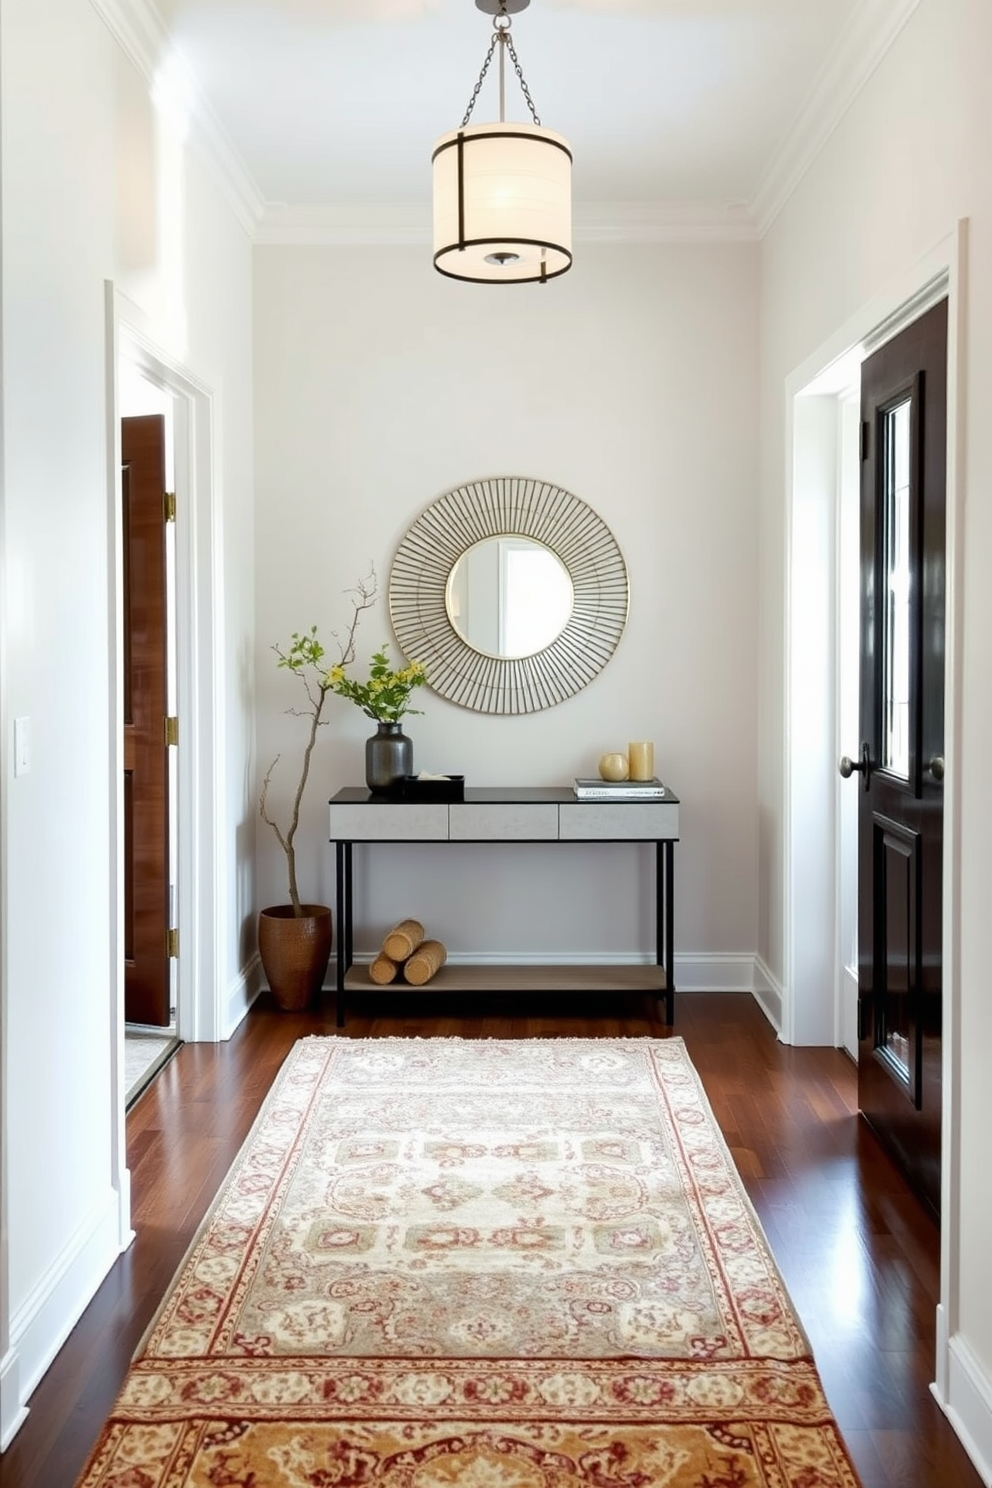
{"x": 640, "y": 759}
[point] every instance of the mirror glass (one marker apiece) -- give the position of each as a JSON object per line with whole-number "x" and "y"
{"x": 509, "y": 596}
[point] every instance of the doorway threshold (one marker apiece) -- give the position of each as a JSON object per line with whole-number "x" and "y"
{"x": 146, "y": 1051}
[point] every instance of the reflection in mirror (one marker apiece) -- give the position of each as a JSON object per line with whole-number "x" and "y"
{"x": 509, "y": 596}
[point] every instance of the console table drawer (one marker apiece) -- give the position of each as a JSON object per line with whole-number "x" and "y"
{"x": 389, "y": 821}
{"x": 618, "y": 821}
{"x": 503, "y": 822}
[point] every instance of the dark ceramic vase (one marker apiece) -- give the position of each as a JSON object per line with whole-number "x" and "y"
{"x": 388, "y": 757}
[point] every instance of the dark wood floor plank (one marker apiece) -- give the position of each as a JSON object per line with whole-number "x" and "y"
{"x": 858, "y": 1253}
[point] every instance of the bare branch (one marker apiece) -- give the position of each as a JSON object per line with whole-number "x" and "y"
{"x": 363, "y": 597}
{"x": 307, "y": 662}
{"x": 261, "y": 807}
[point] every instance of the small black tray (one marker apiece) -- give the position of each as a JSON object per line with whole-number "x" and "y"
{"x": 414, "y": 789}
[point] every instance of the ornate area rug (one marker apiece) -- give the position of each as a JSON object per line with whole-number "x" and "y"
{"x": 449, "y": 1263}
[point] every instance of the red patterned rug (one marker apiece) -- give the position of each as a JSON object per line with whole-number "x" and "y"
{"x": 449, "y": 1263}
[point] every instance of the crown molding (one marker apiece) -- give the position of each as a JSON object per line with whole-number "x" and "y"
{"x": 343, "y": 224}
{"x": 142, "y": 35}
{"x": 663, "y": 222}
{"x": 864, "y": 42}
{"x": 409, "y": 223}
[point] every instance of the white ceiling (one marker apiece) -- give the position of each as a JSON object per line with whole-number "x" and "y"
{"x": 335, "y": 104}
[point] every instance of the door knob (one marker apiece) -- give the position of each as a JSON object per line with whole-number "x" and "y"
{"x": 862, "y": 765}
{"x": 936, "y": 767}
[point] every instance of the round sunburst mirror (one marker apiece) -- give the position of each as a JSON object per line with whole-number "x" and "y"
{"x": 511, "y": 591}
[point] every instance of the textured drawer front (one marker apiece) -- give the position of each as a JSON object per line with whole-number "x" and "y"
{"x": 386, "y": 821}
{"x": 504, "y": 822}
{"x": 619, "y": 821}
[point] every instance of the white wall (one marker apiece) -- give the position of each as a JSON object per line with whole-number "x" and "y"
{"x": 630, "y": 382}
{"x": 909, "y": 159}
{"x": 97, "y": 187}
{"x": 809, "y": 1011}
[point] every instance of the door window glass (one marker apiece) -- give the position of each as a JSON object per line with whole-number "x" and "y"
{"x": 896, "y": 589}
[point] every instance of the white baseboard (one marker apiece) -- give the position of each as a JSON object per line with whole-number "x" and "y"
{"x": 964, "y": 1393}
{"x": 848, "y": 1018}
{"x": 125, "y": 1234}
{"x": 42, "y": 1323}
{"x": 768, "y": 993}
{"x": 241, "y": 993}
{"x": 720, "y": 971}
{"x": 13, "y": 1411}
{"x": 940, "y": 1386}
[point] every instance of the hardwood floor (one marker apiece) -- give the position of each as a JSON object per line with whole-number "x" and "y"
{"x": 859, "y": 1254}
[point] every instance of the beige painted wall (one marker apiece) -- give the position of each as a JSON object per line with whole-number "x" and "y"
{"x": 378, "y": 386}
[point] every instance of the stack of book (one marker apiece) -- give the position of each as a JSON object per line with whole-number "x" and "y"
{"x": 594, "y": 789}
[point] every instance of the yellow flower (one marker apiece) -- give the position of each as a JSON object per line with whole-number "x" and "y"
{"x": 336, "y": 674}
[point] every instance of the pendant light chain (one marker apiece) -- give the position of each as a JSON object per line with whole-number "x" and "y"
{"x": 523, "y": 82}
{"x": 501, "y": 36}
{"x": 482, "y": 78}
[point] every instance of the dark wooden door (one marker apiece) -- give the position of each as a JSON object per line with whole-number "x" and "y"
{"x": 146, "y": 778}
{"x": 901, "y": 765}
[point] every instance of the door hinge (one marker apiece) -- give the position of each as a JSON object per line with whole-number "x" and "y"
{"x": 170, "y": 506}
{"x": 865, "y": 439}
{"x": 172, "y": 730}
{"x": 172, "y": 943}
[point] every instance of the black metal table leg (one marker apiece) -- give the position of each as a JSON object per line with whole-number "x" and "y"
{"x": 664, "y": 920}
{"x": 670, "y": 932}
{"x": 349, "y": 919}
{"x": 659, "y": 911}
{"x": 341, "y": 917}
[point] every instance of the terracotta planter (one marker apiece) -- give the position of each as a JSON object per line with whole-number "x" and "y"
{"x": 295, "y": 950}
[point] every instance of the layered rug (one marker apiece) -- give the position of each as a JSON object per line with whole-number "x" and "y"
{"x": 446, "y": 1263}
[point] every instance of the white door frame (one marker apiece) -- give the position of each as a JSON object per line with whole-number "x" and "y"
{"x": 940, "y": 272}
{"x": 199, "y": 1015}
{"x": 12, "y": 1411}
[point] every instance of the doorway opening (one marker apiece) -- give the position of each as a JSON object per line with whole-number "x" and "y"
{"x": 820, "y": 1005}
{"x": 199, "y": 992}
{"x": 823, "y": 633}
{"x": 151, "y": 821}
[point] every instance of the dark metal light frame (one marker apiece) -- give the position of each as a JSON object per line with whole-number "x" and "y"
{"x": 464, "y": 142}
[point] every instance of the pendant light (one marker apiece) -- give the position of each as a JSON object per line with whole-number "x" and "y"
{"x": 502, "y": 192}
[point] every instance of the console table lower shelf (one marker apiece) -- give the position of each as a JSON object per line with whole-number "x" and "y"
{"x": 563, "y": 977}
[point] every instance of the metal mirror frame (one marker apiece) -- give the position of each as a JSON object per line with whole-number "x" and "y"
{"x": 503, "y": 506}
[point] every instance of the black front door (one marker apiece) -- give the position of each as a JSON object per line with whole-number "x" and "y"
{"x": 901, "y": 765}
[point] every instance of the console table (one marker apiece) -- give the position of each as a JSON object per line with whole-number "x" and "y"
{"x": 519, "y": 815}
